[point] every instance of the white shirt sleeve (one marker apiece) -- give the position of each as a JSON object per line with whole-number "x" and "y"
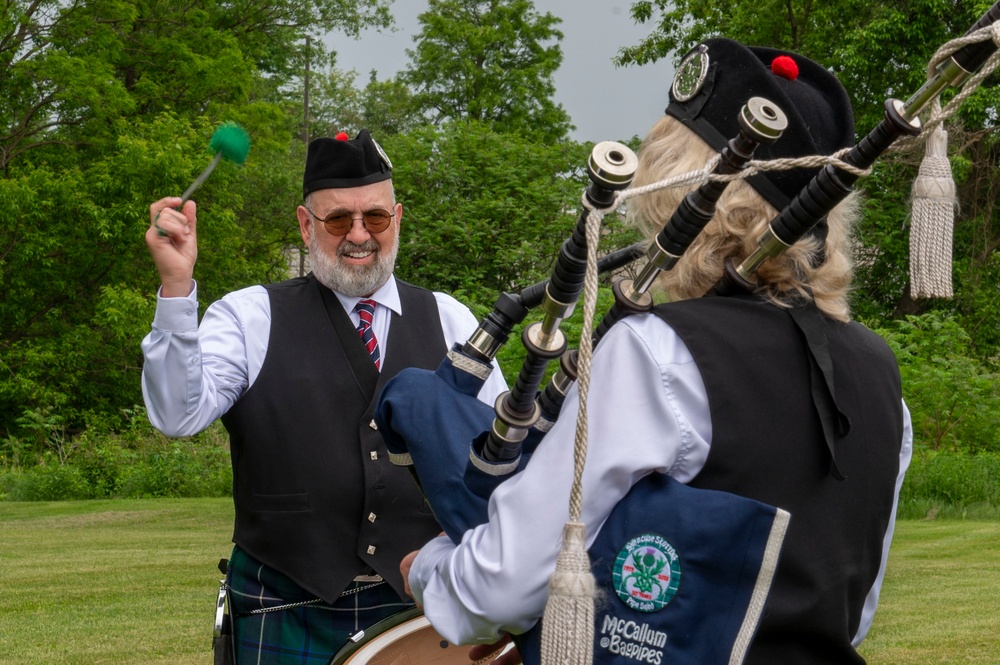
{"x": 193, "y": 374}
{"x": 458, "y": 323}
{"x": 657, "y": 421}
{"x": 871, "y": 600}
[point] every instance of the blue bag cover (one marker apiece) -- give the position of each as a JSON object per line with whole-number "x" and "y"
{"x": 682, "y": 576}
{"x": 432, "y": 420}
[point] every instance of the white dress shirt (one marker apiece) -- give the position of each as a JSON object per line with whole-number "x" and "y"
{"x": 496, "y": 579}
{"x": 193, "y": 374}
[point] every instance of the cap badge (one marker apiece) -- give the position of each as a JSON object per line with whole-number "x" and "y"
{"x": 381, "y": 153}
{"x": 691, "y": 74}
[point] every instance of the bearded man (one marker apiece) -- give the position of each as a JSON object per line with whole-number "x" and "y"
{"x": 293, "y": 369}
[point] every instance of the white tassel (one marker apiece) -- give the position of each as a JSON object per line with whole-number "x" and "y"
{"x": 932, "y": 221}
{"x": 568, "y": 623}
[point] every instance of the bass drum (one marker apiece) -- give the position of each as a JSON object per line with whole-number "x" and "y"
{"x": 406, "y": 638}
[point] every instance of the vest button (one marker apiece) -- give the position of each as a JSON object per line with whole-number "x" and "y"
{"x": 371, "y": 517}
{"x": 373, "y": 425}
{"x": 371, "y": 549}
{"x": 374, "y": 454}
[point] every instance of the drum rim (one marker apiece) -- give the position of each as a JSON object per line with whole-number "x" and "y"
{"x": 412, "y": 617}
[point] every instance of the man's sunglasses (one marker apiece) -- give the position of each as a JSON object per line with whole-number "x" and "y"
{"x": 339, "y": 224}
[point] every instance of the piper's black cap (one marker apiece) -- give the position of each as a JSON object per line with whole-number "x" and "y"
{"x": 717, "y": 77}
{"x": 336, "y": 163}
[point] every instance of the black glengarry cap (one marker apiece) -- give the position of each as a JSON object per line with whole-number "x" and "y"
{"x": 717, "y": 77}
{"x": 340, "y": 162}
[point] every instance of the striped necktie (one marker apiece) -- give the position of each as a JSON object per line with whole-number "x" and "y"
{"x": 366, "y": 311}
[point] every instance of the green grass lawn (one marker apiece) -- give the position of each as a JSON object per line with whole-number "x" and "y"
{"x": 941, "y": 599}
{"x": 130, "y": 582}
{"x": 116, "y": 582}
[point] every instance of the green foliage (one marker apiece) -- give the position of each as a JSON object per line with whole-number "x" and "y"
{"x": 483, "y": 212}
{"x": 271, "y": 33}
{"x": 882, "y": 277}
{"x": 112, "y": 105}
{"x": 48, "y": 482}
{"x": 44, "y": 435}
{"x": 490, "y": 61}
{"x": 954, "y": 400}
{"x": 947, "y": 484}
{"x": 180, "y": 470}
{"x": 135, "y": 462}
{"x": 388, "y": 107}
{"x": 383, "y": 107}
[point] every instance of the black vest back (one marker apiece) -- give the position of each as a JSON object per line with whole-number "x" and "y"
{"x": 316, "y": 496}
{"x": 767, "y": 444}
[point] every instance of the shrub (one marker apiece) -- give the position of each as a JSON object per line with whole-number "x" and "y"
{"x": 137, "y": 462}
{"x": 951, "y": 485}
{"x": 183, "y": 469}
{"x": 49, "y": 481}
{"x": 102, "y": 464}
{"x": 953, "y": 398}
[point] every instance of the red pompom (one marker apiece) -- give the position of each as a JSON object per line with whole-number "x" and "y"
{"x": 342, "y": 136}
{"x": 785, "y": 67}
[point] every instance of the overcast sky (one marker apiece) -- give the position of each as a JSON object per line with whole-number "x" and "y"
{"x": 604, "y": 102}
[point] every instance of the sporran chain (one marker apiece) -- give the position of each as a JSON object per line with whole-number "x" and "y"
{"x": 304, "y": 603}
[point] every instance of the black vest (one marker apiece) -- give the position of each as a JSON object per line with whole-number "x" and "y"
{"x": 768, "y": 445}
{"x": 316, "y": 496}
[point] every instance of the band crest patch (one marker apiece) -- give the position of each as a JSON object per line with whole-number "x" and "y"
{"x": 647, "y": 573}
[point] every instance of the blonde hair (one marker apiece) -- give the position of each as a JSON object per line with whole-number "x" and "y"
{"x": 742, "y": 215}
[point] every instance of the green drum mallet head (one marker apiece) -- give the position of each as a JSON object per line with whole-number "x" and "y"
{"x": 230, "y": 142}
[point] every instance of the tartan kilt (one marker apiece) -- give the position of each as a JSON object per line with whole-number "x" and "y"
{"x": 304, "y": 635}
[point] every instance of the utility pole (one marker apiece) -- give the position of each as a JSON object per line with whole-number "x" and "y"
{"x": 305, "y": 95}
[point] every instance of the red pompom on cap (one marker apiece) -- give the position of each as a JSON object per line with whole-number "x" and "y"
{"x": 785, "y": 67}
{"x": 342, "y": 136}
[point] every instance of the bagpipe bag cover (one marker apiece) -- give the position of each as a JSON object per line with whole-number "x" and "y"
{"x": 436, "y": 418}
{"x": 683, "y": 573}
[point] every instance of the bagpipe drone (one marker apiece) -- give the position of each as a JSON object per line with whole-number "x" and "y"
{"x": 459, "y": 449}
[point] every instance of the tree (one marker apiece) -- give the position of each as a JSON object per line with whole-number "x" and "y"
{"x": 878, "y": 50}
{"x": 388, "y": 107}
{"x": 489, "y": 61}
{"x": 486, "y": 212}
{"x": 954, "y": 398}
{"x": 337, "y": 104}
{"x": 106, "y": 106}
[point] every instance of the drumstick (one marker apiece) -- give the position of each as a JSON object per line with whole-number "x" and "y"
{"x": 230, "y": 142}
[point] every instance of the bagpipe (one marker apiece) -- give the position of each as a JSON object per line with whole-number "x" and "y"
{"x": 446, "y": 429}
{"x": 459, "y": 450}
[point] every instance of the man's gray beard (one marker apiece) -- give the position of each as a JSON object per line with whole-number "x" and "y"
{"x": 354, "y": 281}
